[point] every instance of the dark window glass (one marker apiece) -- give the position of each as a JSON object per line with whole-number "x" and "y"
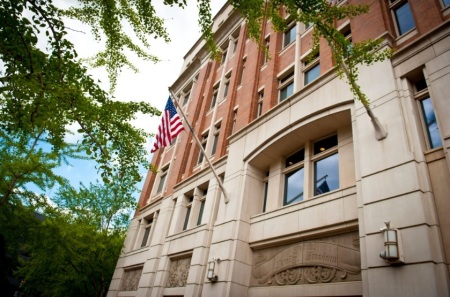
{"x": 146, "y": 234}
{"x": 287, "y": 91}
{"x": 188, "y": 213}
{"x": 161, "y": 182}
{"x": 293, "y": 191}
{"x": 326, "y": 174}
{"x": 200, "y": 213}
{"x": 404, "y": 18}
{"x": 289, "y": 35}
{"x": 266, "y": 185}
{"x": 325, "y": 144}
{"x": 312, "y": 73}
{"x": 421, "y": 84}
{"x": 295, "y": 158}
{"x": 430, "y": 123}
{"x": 216, "y": 139}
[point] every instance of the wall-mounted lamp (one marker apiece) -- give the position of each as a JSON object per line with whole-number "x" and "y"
{"x": 391, "y": 253}
{"x": 211, "y": 265}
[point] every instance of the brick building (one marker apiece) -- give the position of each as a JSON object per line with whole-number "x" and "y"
{"x": 309, "y": 184}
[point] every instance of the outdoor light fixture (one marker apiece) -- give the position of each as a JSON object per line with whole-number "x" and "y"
{"x": 391, "y": 253}
{"x": 211, "y": 265}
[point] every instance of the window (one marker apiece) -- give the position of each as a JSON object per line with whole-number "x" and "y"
{"x": 311, "y": 69}
{"x": 214, "y": 96}
{"x": 326, "y": 165}
{"x": 289, "y": 34}
{"x": 294, "y": 180}
{"x": 235, "y": 43}
{"x": 241, "y": 73}
{"x": 427, "y": 113}
{"x": 188, "y": 212}
{"x": 266, "y": 187}
{"x": 226, "y": 85}
{"x": 286, "y": 86}
{"x": 224, "y": 57}
{"x": 234, "y": 120}
{"x": 204, "y": 141}
{"x": 429, "y": 119}
{"x": 403, "y": 17}
{"x": 216, "y": 139}
{"x": 147, "y": 229}
{"x": 266, "y": 50}
{"x": 260, "y": 102}
{"x": 202, "y": 207}
{"x": 186, "y": 98}
{"x": 162, "y": 179}
{"x": 308, "y": 25}
{"x": 446, "y": 2}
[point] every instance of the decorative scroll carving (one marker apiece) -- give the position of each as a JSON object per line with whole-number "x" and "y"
{"x": 130, "y": 279}
{"x": 330, "y": 259}
{"x": 178, "y": 272}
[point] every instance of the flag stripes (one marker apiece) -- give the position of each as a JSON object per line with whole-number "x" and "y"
{"x": 169, "y": 128}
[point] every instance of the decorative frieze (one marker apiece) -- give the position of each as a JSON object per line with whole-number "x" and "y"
{"x": 178, "y": 273}
{"x": 331, "y": 259}
{"x": 130, "y": 279}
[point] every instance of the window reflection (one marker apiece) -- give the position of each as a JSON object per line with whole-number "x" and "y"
{"x": 294, "y": 187}
{"x": 430, "y": 123}
{"x": 326, "y": 174}
{"x": 404, "y": 18}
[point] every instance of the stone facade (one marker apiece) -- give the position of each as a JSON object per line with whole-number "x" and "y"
{"x": 309, "y": 184}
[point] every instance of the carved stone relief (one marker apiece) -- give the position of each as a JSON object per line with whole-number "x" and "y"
{"x": 326, "y": 260}
{"x": 130, "y": 279}
{"x": 178, "y": 272}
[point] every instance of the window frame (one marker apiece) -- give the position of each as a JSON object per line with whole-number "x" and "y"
{"x": 216, "y": 138}
{"x": 308, "y": 66}
{"x": 260, "y": 103}
{"x": 291, "y": 170}
{"x": 284, "y": 82}
{"x": 214, "y": 96}
{"x": 162, "y": 180}
{"x": 188, "y": 212}
{"x": 204, "y": 142}
{"x": 419, "y": 98}
{"x": 292, "y": 25}
{"x": 394, "y": 7}
{"x": 202, "y": 201}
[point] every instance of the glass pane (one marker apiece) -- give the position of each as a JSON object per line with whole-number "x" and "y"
{"x": 295, "y": 158}
{"x": 186, "y": 219}
{"x": 287, "y": 91}
{"x": 200, "y": 213}
{"x": 289, "y": 35}
{"x": 161, "y": 183}
{"x": 294, "y": 187}
{"x": 324, "y": 144}
{"x": 326, "y": 174}
{"x": 145, "y": 238}
{"x": 446, "y": 3}
{"x": 266, "y": 185}
{"x": 405, "y": 21}
{"x": 430, "y": 123}
{"x": 312, "y": 74}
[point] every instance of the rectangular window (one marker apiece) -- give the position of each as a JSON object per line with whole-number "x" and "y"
{"x": 188, "y": 213}
{"x": 286, "y": 86}
{"x": 403, "y": 17}
{"x": 294, "y": 178}
{"x": 202, "y": 207}
{"x": 148, "y": 228}
{"x": 162, "y": 180}
{"x": 430, "y": 123}
{"x": 326, "y": 167}
{"x": 235, "y": 44}
{"x": 290, "y": 34}
{"x": 186, "y": 98}
{"x": 204, "y": 140}
{"x": 214, "y": 96}
{"x": 266, "y": 50}
{"x": 311, "y": 68}
{"x": 234, "y": 120}
{"x": 226, "y": 85}
{"x": 446, "y": 2}
{"x": 216, "y": 139}
{"x": 266, "y": 187}
{"x": 241, "y": 73}
{"x": 224, "y": 57}
{"x": 260, "y": 103}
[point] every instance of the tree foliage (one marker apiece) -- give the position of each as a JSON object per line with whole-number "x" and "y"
{"x": 74, "y": 249}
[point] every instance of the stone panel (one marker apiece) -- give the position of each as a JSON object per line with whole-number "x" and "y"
{"x": 325, "y": 260}
{"x": 178, "y": 272}
{"x": 130, "y": 280}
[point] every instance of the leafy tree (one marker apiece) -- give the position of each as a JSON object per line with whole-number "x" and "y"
{"x": 74, "y": 250}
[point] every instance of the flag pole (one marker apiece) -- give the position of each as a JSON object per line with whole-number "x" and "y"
{"x": 200, "y": 146}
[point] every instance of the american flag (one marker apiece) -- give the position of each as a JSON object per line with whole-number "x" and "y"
{"x": 169, "y": 128}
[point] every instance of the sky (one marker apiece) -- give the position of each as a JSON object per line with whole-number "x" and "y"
{"x": 150, "y": 84}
